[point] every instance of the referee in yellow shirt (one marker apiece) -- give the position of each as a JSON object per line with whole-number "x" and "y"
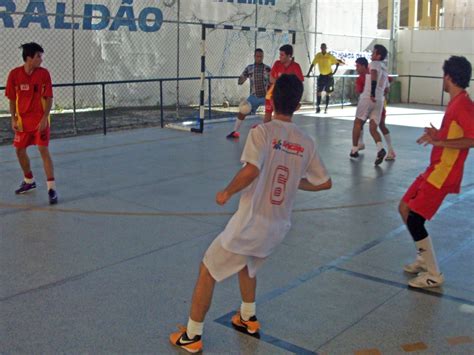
{"x": 325, "y": 82}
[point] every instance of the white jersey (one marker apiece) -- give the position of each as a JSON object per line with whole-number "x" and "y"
{"x": 284, "y": 154}
{"x": 382, "y": 80}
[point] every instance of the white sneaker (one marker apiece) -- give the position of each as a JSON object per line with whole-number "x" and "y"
{"x": 361, "y": 146}
{"x": 415, "y": 267}
{"x": 426, "y": 280}
{"x": 390, "y": 155}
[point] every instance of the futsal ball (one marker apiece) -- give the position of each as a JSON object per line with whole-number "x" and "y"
{"x": 244, "y": 107}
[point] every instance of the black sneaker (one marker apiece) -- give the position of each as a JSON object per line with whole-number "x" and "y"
{"x": 53, "y": 197}
{"x": 233, "y": 134}
{"x": 318, "y": 110}
{"x": 380, "y": 155}
{"x": 25, "y": 187}
{"x": 326, "y": 110}
{"x": 354, "y": 154}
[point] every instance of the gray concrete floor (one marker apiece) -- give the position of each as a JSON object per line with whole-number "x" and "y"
{"x": 111, "y": 268}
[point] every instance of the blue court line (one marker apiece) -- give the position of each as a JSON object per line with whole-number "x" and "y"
{"x": 405, "y": 286}
{"x": 225, "y": 320}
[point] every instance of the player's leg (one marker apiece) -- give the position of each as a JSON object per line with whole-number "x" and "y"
{"x": 356, "y": 129}
{"x": 21, "y": 141}
{"x": 420, "y": 202}
{"x": 375, "y": 116}
{"x": 387, "y": 137}
{"x": 246, "y": 319}
{"x": 319, "y": 90}
{"x": 42, "y": 141}
{"x": 329, "y": 90}
{"x": 268, "y": 111}
{"x": 363, "y": 107}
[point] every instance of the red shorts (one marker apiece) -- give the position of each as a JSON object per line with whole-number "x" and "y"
{"x": 25, "y": 139}
{"x": 268, "y": 106}
{"x": 423, "y": 198}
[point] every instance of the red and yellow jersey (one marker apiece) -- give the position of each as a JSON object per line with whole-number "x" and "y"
{"x": 29, "y": 92}
{"x": 279, "y": 69}
{"x": 447, "y": 164}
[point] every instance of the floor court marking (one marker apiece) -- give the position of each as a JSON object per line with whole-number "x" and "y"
{"x": 173, "y": 213}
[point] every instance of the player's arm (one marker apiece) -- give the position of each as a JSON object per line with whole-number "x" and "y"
{"x": 47, "y": 109}
{"x": 307, "y": 186}
{"x": 456, "y": 143}
{"x": 13, "y": 115}
{"x": 373, "y": 84}
{"x": 241, "y": 180}
{"x": 310, "y": 69}
{"x": 335, "y": 70}
{"x": 243, "y": 77}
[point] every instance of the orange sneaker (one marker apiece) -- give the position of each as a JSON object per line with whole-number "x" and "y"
{"x": 180, "y": 339}
{"x": 251, "y": 326}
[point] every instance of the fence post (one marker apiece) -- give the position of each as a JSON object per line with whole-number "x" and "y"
{"x": 342, "y": 96}
{"x": 409, "y": 88}
{"x": 161, "y": 104}
{"x": 209, "y": 96}
{"x": 104, "y": 120}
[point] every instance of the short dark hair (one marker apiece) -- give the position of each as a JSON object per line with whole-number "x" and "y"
{"x": 287, "y": 94}
{"x": 459, "y": 70}
{"x": 30, "y": 49}
{"x": 287, "y": 48}
{"x": 362, "y": 61}
{"x": 259, "y": 50}
{"x": 381, "y": 50}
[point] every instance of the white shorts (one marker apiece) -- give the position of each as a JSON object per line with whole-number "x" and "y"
{"x": 222, "y": 263}
{"x": 367, "y": 109}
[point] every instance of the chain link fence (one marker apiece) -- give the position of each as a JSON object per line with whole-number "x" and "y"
{"x": 89, "y": 42}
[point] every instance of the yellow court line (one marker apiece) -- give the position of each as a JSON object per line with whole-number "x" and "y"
{"x": 170, "y": 213}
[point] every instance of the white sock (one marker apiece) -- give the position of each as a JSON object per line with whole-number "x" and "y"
{"x": 247, "y": 310}
{"x": 379, "y": 146}
{"x": 51, "y": 185}
{"x": 426, "y": 252}
{"x": 361, "y": 137}
{"x": 194, "y": 328}
{"x": 388, "y": 140}
{"x": 29, "y": 181}
{"x": 354, "y": 149}
{"x": 237, "y": 125}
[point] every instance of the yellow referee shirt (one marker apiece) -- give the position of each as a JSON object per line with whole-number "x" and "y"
{"x": 325, "y": 61}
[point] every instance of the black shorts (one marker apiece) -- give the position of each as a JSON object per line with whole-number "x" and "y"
{"x": 325, "y": 83}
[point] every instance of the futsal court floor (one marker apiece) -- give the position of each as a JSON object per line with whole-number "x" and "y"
{"x": 111, "y": 268}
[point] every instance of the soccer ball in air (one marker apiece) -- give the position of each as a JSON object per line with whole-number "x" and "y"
{"x": 244, "y": 107}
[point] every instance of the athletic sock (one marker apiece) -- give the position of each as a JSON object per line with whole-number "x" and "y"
{"x": 28, "y": 178}
{"x": 51, "y": 184}
{"x": 194, "y": 328}
{"x": 237, "y": 124}
{"x": 354, "y": 149}
{"x": 247, "y": 310}
{"x": 327, "y": 101}
{"x": 361, "y": 137}
{"x": 379, "y": 146}
{"x": 426, "y": 252}
{"x": 388, "y": 140}
{"x": 318, "y": 101}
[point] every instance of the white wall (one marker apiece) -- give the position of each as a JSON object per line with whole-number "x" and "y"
{"x": 422, "y": 52}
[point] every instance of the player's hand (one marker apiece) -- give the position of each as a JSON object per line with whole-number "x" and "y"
{"x": 15, "y": 125}
{"x": 222, "y": 197}
{"x": 425, "y": 139}
{"x": 43, "y": 124}
{"x": 431, "y": 131}
{"x": 373, "y": 99}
